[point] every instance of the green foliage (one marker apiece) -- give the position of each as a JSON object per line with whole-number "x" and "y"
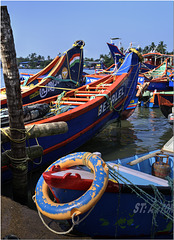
{"x": 38, "y": 61}
{"x": 107, "y": 59}
{"x": 161, "y": 48}
{"x": 34, "y": 61}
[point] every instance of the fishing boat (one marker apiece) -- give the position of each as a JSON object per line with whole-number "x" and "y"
{"x": 62, "y": 74}
{"x": 118, "y": 56}
{"x": 99, "y": 73}
{"x": 157, "y": 58}
{"x": 103, "y": 72}
{"x": 86, "y": 110}
{"x": 158, "y": 78}
{"x": 166, "y": 104}
{"x": 125, "y": 198}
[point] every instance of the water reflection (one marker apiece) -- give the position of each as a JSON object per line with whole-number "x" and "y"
{"x": 146, "y": 130}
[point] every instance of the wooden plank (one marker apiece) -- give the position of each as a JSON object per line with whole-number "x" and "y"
{"x": 87, "y": 92}
{"x": 75, "y": 99}
{"x": 71, "y": 103}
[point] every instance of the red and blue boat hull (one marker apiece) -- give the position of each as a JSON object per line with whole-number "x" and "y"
{"x": 87, "y": 120}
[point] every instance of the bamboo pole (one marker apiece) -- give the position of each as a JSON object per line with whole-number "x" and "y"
{"x": 140, "y": 159}
{"x": 14, "y": 103}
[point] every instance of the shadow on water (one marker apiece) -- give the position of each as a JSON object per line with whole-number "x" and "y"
{"x": 146, "y": 130}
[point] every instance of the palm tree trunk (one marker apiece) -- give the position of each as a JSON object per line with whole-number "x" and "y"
{"x": 14, "y": 103}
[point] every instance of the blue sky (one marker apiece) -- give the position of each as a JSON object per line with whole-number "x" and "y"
{"x": 51, "y": 27}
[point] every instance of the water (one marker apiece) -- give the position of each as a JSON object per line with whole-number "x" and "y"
{"x": 146, "y": 130}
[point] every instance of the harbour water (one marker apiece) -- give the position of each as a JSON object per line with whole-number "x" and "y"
{"x": 146, "y": 130}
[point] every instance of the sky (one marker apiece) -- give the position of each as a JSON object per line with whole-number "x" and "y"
{"x": 48, "y": 28}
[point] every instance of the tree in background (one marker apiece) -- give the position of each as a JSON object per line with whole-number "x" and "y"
{"x": 161, "y": 47}
{"x": 107, "y": 59}
{"x": 40, "y": 62}
{"x": 152, "y": 47}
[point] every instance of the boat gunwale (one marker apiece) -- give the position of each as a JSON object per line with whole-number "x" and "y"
{"x": 79, "y": 110}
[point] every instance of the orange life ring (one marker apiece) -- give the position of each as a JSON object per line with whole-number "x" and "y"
{"x": 79, "y": 206}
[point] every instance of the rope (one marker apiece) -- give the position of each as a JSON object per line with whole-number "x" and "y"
{"x": 59, "y": 98}
{"x": 25, "y": 81}
{"x": 155, "y": 203}
{"x": 79, "y": 69}
{"x": 73, "y": 221}
{"x": 21, "y": 160}
{"x": 110, "y": 102}
{"x": 19, "y": 130}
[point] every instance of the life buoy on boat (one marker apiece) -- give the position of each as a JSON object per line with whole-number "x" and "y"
{"x": 79, "y": 206}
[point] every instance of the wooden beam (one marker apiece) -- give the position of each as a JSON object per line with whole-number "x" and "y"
{"x": 39, "y": 130}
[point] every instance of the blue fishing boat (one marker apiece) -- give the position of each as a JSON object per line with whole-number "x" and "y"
{"x": 125, "y": 198}
{"x": 99, "y": 73}
{"x": 118, "y": 57}
{"x": 62, "y": 74}
{"x": 86, "y": 110}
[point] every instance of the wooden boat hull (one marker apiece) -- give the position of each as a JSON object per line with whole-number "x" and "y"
{"x": 121, "y": 212}
{"x": 158, "y": 78}
{"x": 133, "y": 219}
{"x": 86, "y": 120}
{"x": 161, "y": 85}
{"x": 130, "y": 108}
{"x": 119, "y": 56}
{"x": 166, "y": 102}
{"x": 64, "y": 75}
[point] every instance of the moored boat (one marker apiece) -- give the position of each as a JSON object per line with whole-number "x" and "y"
{"x": 158, "y": 78}
{"x": 62, "y": 74}
{"x": 166, "y": 102}
{"x": 99, "y": 73}
{"x": 137, "y": 201}
{"x": 86, "y": 110}
{"x": 157, "y": 58}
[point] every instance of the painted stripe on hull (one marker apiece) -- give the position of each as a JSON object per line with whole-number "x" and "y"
{"x": 79, "y": 133}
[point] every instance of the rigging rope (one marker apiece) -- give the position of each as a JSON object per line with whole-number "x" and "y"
{"x": 156, "y": 202}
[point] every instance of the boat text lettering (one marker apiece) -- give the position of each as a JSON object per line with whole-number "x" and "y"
{"x": 112, "y": 101}
{"x": 50, "y": 87}
{"x": 35, "y": 94}
{"x": 146, "y": 208}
